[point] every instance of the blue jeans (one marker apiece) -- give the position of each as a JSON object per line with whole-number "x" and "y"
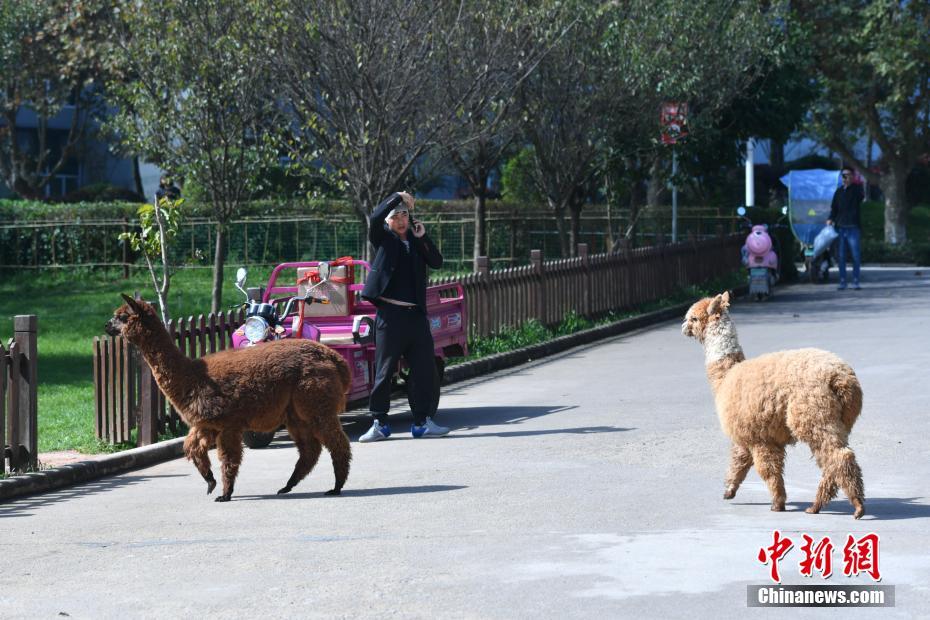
{"x": 850, "y": 235}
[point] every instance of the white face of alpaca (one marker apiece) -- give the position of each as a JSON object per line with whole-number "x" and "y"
{"x": 704, "y": 314}
{"x": 709, "y": 323}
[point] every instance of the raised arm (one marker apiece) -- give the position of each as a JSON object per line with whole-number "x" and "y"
{"x": 376, "y": 221}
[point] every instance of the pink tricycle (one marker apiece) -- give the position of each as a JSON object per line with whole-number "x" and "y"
{"x": 321, "y": 301}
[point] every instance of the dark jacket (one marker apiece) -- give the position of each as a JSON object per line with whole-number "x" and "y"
{"x": 388, "y": 245}
{"x": 844, "y": 211}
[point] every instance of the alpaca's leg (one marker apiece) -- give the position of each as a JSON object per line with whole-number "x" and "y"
{"x": 770, "y": 463}
{"x": 229, "y": 451}
{"x": 740, "y": 462}
{"x": 839, "y": 466}
{"x": 334, "y": 438}
{"x": 309, "y": 449}
{"x": 196, "y": 447}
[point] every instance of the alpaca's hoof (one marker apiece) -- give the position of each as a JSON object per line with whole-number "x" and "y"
{"x": 778, "y": 507}
{"x": 211, "y": 484}
{"x": 812, "y": 510}
{"x": 730, "y": 493}
{"x": 284, "y": 490}
{"x": 860, "y": 510}
{"x": 334, "y": 492}
{"x": 223, "y": 498}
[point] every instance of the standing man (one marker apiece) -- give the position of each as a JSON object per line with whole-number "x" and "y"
{"x": 844, "y": 213}
{"x": 397, "y": 286}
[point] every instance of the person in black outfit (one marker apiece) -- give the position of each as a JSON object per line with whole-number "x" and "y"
{"x": 844, "y": 214}
{"x": 396, "y": 284}
{"x": 167, "y": 189}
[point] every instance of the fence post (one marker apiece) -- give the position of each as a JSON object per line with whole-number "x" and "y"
{"x": 539, "y": 268}
{"x": 483, "y": 268}
{"x": 23, "y": 435}
{"x": 148, "y": 404}
{"x": 582, "y": 252}
{"x": 3, "y": 371}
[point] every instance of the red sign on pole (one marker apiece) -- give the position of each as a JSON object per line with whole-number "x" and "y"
{"x": 674, "y": 120}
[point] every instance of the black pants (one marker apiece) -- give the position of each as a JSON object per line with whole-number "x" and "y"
{"x": 402, "y": 331}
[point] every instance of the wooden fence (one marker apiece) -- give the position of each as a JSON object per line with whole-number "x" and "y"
{"x": 591, "y": 285}
{"x": 18, "y": 411}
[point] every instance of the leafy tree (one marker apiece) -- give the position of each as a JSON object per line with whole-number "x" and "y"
{"x": 159, "y": 225}
{"x": 871, "y": 63}
{"x": 492, "y": 48}
{"x": 51, "y": 57}
{"x": 197, "y": 100}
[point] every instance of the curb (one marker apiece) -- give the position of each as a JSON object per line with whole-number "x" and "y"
{"x": 84, "y": 471}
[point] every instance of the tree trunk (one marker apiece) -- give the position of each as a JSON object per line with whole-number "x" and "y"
{"x": 575, "y": 231}
{"x": 219, "y": 257}
{"x": 137, "y": 176}
{"x": 481, "y": 222}
{"x": 558, "y": 211}
{"x": 777, "y": 157}
{"x": 893, "y": 185}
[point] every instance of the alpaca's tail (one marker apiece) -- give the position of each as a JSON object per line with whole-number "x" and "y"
{"x": 845, "y": 385}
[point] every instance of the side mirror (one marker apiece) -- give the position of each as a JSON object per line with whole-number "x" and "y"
{"x": 741, "y": 211}
{"x": 323, "y": 270}
{"x": 240, "y": 277}
{"x": 784, "y": 210}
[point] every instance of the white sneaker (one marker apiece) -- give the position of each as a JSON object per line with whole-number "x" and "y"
{"x": 377, "y": 432}
{"x": 429, "y": 429}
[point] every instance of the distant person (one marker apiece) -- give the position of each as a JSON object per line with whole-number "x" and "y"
{"x": 167, "y": 189}
{"x": 397, "y": 286}
{"x": 845, "y": 215}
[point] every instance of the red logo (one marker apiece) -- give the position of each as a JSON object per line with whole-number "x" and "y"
{"x": 859, "y": 556}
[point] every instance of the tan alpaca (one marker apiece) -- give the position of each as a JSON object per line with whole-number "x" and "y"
{"x": 299, "y": 383}
{"x": 776, "y": 399}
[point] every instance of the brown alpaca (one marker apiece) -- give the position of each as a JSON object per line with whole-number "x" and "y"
{"x": 776, "y": 399}
{"x": 299, "y": 383}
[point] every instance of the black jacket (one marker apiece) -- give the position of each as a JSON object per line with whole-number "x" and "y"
{"x": 844, "y": 211}
{"x": 388, "y": 245}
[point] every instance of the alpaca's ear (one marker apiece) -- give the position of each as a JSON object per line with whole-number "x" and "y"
{"x": 130, "y": 302}
{"x": 718, "y": 304}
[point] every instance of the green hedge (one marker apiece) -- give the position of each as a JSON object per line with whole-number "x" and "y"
{"x": 29, "y": 210}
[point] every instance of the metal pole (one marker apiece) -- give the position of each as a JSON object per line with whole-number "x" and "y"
{"x": 750, "y": 177}
{"x": 674, "y": 196}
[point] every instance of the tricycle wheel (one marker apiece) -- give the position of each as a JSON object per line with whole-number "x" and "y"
{"x": 255, "y": 439}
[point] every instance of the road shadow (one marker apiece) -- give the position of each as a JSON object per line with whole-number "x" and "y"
{"x": 472, "y": 418}
{"x": 23, "y": 506}
{"x": 876, "y": 508}
{"x": 428, "y": 488}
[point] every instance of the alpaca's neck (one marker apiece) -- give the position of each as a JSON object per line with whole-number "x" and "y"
{"x": 721, "y": 350}
{"x": 170, "y": 368}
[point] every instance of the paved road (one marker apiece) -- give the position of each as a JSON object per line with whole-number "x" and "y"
{"x": 587, "y": 485}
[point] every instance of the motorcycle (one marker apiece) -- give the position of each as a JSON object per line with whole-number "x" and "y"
{"x": 262, "y": 321}
{"x": 760, "y": 257}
